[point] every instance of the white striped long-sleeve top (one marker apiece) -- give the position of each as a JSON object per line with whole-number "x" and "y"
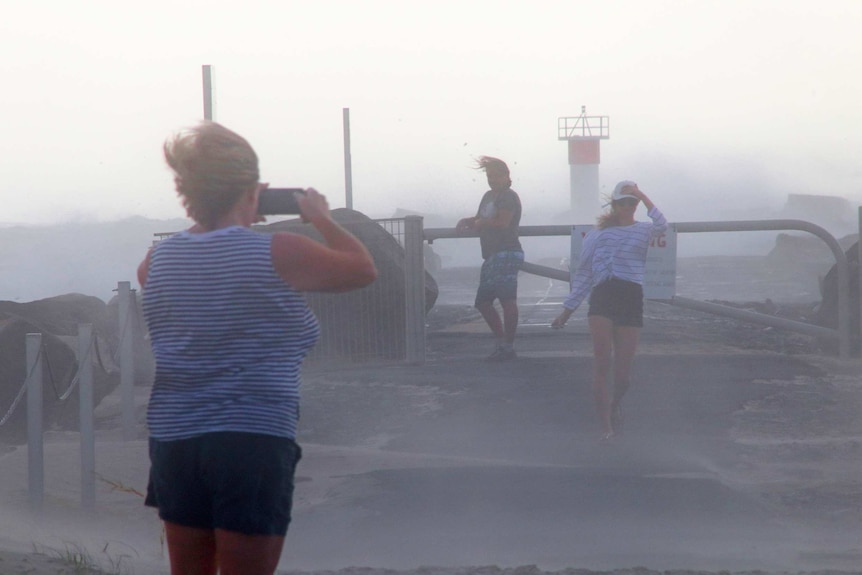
{"x": 616, "y": 251}
{"x": 228, "y": 335}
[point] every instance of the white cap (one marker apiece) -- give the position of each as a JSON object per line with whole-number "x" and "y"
{"x": 618, "y": 190}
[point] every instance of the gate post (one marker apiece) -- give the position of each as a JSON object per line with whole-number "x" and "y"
{"x": 35, "y": 439}
{"x": 127, "y": 359}
{"x": 414, "y": 289}
{"x": 858, "y": 293}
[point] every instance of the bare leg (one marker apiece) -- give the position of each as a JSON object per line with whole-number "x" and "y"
{"x": 192, "y": 551}
{"x": 601, "y": 329}
{"x": 240, "y": 554}
{"x": 625, "y": 345}
{"x": 510, "y": 319}
{"x": 492, "y": 318}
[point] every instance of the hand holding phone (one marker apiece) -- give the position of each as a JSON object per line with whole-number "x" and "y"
{"x": 278, "y": 201}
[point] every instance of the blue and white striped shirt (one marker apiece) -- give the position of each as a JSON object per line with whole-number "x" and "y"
{"x": 228, "y": 336}
{"x": 615, "y": 251}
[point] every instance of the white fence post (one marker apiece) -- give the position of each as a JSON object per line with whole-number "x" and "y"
{"x": 127, "y": 360}
{"x": 35, "y": 446}
{"x": 858, "y": 294}
{"x": 85, "y": 411}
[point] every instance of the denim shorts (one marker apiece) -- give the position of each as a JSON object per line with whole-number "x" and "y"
{"x": 620, "y": 301}
{"x": 499, "y": 277}
{"x": 234, "y": 481}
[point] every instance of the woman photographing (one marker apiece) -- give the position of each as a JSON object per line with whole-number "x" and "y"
{"x": 229, "y": 328}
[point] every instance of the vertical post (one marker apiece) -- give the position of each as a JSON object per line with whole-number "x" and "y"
{"x": 414, "y": 289}
{"x": 127, "y": 359}
{"x": 35, "y": 447}
{"x": 348, "y": 163}
{"x": 208, "y": 92}
{"x": 85, "y": 407}
{"x": 844, "y": 307}
{"x": 858, "y": 293}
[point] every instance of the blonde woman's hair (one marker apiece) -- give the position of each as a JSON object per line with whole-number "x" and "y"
{"x": 213, "y": 167}
{"x": 609, "y": 218}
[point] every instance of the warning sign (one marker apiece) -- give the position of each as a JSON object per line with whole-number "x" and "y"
{"x": 660, "y": 271}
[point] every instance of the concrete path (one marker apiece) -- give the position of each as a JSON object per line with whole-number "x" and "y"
{"x": 472, "y": 463}
{"x": 731, "y": 460}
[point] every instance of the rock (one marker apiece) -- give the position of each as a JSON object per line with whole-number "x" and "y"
{"x": 796, "y": 248}
{"x": 827, "y": 312}
{"x": 57, "y": 319}
{"x": 370, "y": 322}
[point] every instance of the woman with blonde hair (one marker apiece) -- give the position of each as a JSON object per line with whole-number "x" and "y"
{"x": 611, "y": 271}
{"x": 229, "y": 328}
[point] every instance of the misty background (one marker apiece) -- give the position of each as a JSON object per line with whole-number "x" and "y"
{"x": 718, "y": 109}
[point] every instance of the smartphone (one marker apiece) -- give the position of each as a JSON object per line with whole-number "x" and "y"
{"x": 278, "y": 201}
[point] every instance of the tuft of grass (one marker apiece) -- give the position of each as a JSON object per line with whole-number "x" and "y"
{"x": 118, "y": 486}
{"x": 75, "y": 556}
{"x": 115, "y": 560}
{"x": 81, "y": 561}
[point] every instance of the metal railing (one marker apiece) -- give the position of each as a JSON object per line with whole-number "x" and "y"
{"x": 842, "y": 334}
{"x": 384, "y": 321}
{"x": 389, "y": 320}
{"x": 583, "y": 127}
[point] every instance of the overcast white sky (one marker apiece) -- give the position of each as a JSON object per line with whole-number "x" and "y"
{"x": 712, "y": 104}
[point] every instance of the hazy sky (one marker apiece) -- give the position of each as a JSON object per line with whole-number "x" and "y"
{"x": 711, "y": 103}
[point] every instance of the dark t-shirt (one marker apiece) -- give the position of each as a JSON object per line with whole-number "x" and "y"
{"x": 495, "y": 240}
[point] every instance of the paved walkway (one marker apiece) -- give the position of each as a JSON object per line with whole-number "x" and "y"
{"x": 731, "y": 460}
{"x": 464, "y": 462}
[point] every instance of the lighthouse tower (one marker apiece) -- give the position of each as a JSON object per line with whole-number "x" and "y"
{"x": 584, "y": 134}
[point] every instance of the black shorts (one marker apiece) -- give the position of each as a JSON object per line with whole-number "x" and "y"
{"x": 239, "y": 482}
{"x": 620, "y": 301}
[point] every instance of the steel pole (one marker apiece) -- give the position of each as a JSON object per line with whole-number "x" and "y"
{"x": 127, "y": 359}
{"x": 348, "y": 162}
{"x": 208, "y": 92}
{"x": 414, "y": 289}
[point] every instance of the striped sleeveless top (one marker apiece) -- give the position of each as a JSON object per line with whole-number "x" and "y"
{"x": 228, "y": 336}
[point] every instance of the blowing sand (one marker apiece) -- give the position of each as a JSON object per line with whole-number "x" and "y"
{"x": 375, "y": 437}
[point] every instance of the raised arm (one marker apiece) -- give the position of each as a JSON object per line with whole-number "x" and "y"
{"x": 659, "y": 223}
{"x": 143, "y": 268}
{"x": 582, "y": 281}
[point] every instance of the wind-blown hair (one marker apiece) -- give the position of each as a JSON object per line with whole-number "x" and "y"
{"x": 212, "y": 167}
{"x": 490, "y": 163}
{"x": 609, "y": 218}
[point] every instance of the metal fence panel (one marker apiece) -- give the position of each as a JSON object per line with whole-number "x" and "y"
{"x": 366, "y": 324}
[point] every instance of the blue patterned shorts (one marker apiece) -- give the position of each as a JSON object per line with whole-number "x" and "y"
{"x": 499, "y": 277}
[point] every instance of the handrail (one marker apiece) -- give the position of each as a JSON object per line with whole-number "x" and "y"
{"x": 800, "y": 225}
{"x": 843, "y": 331}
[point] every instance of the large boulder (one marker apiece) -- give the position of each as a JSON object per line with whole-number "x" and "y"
{"x": 59, "y": 315}
{"x": 57, "y": 319}
{"x": 368, "y": 323}
{"x": 801, "y": 248}
{"x": 827, "y": 311}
